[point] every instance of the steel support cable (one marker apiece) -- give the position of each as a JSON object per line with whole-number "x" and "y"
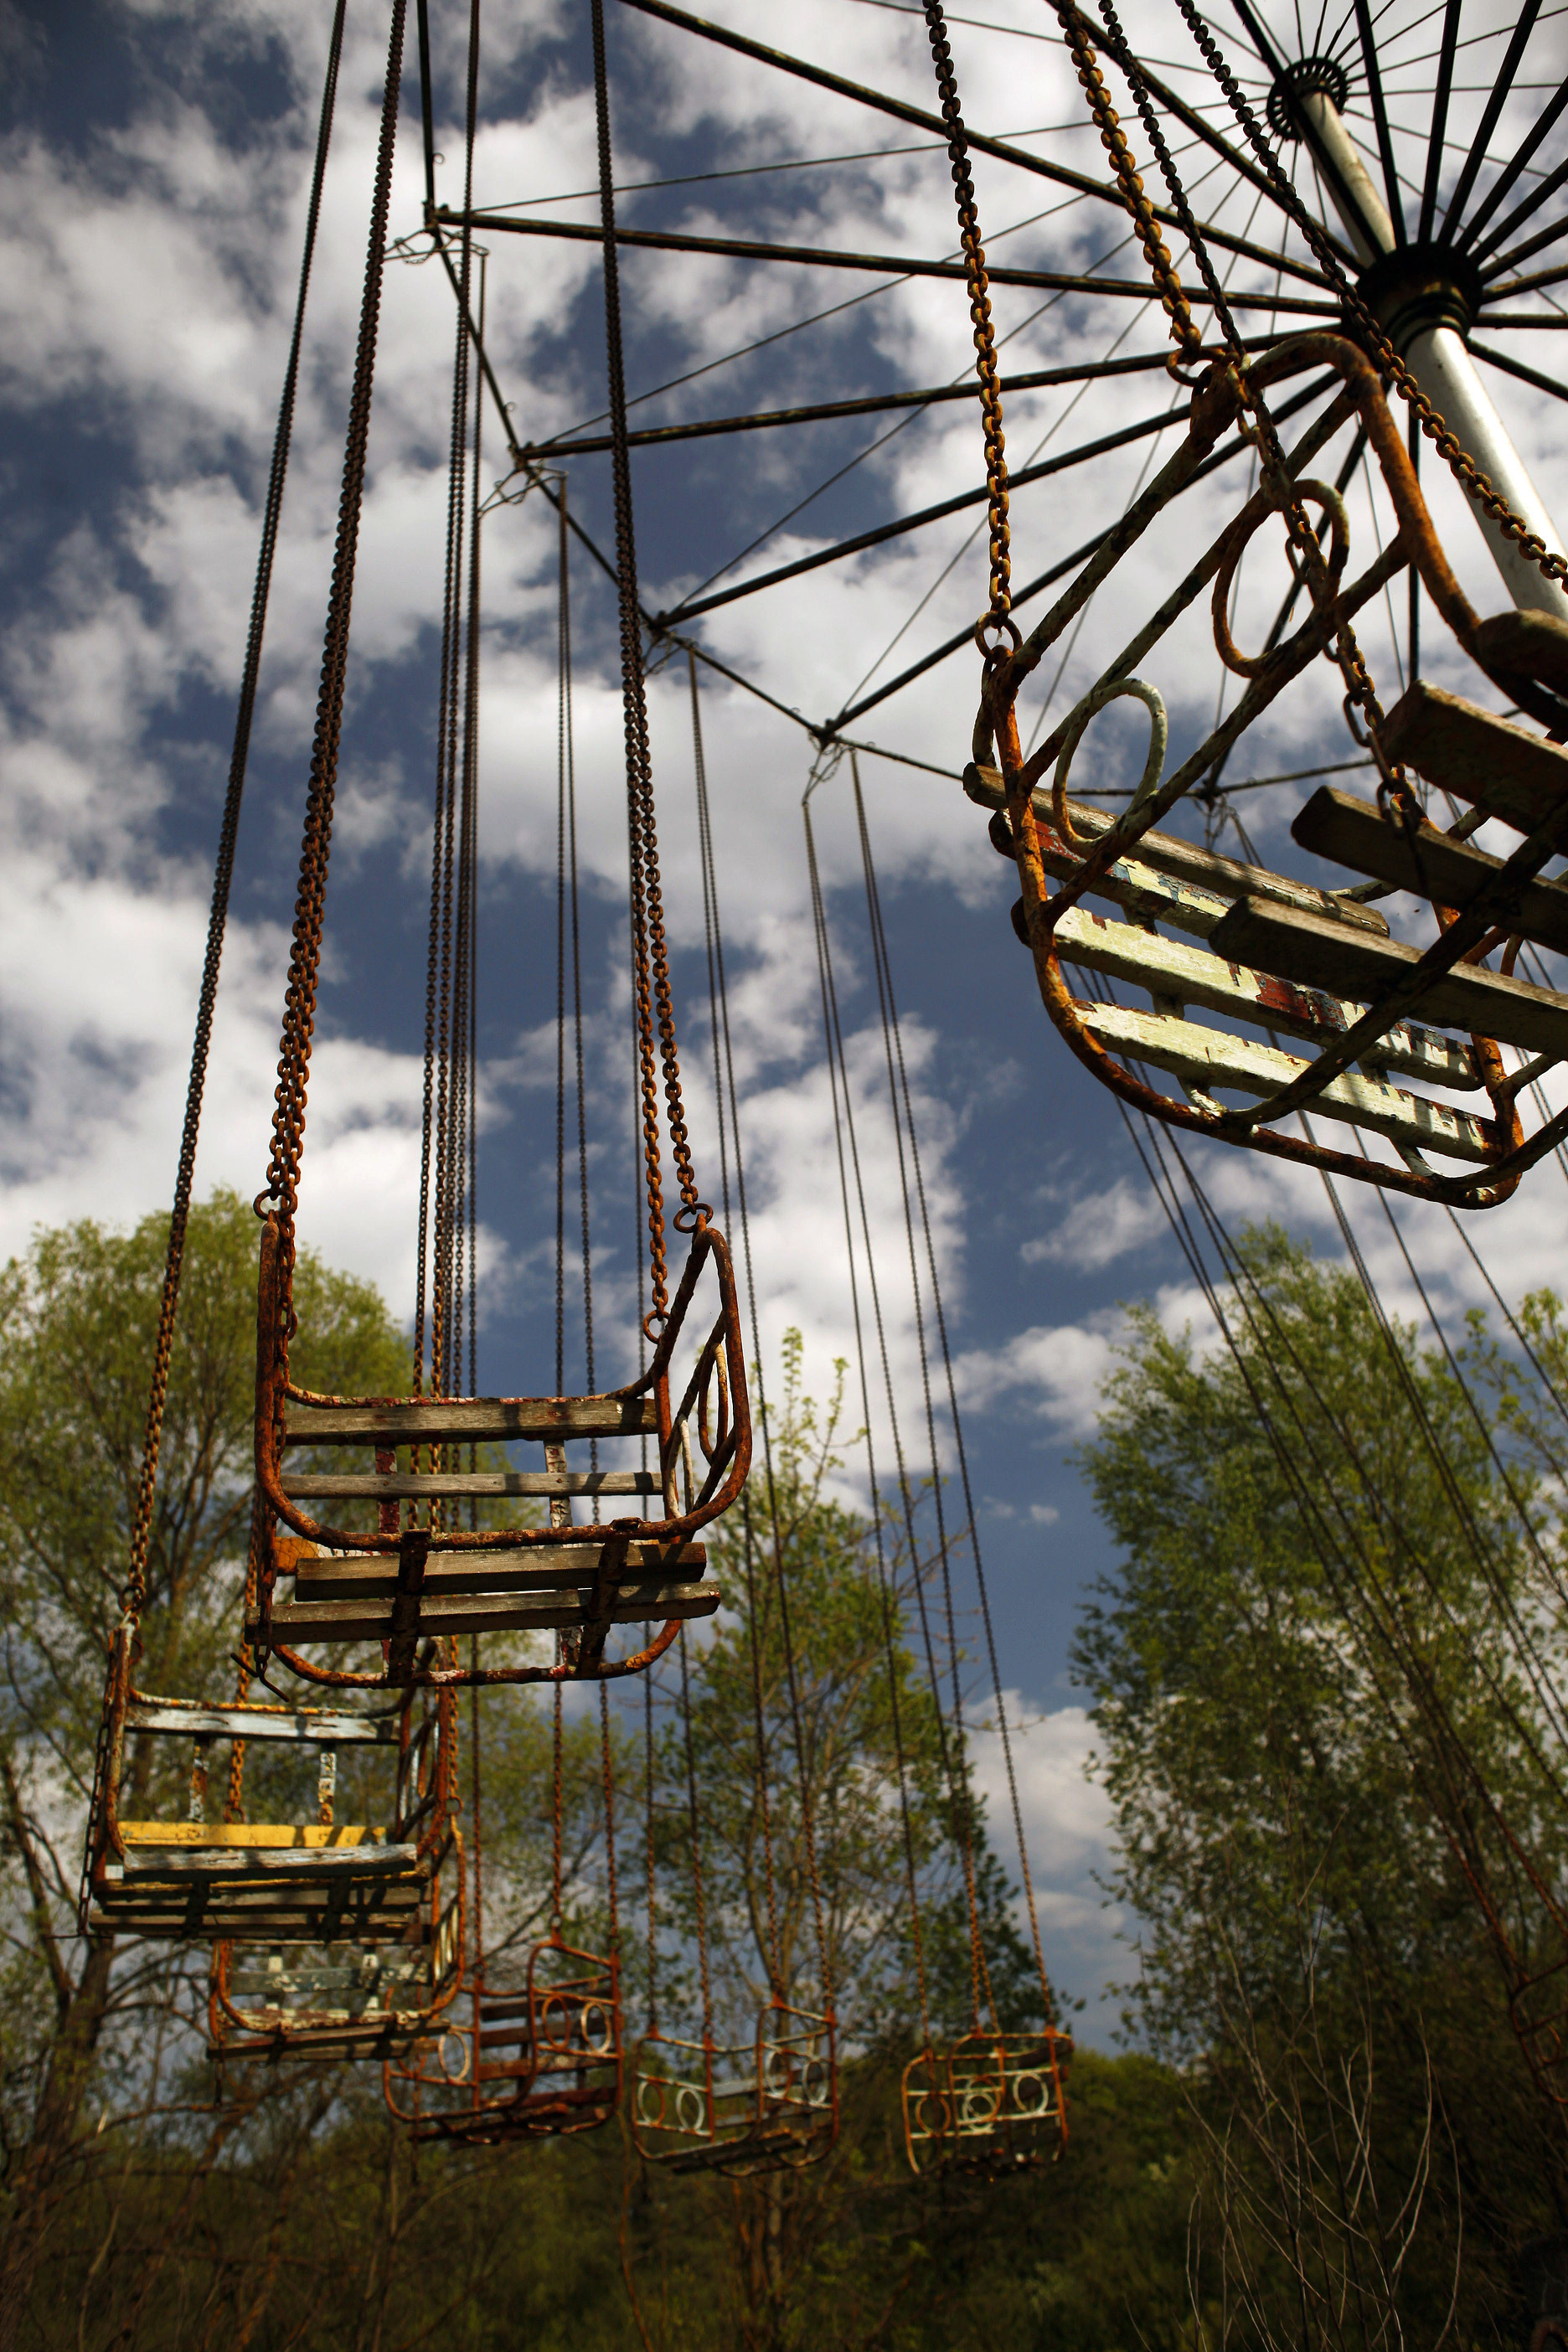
{"x": 431, "y": 1110}
{"x": 903, "y": 1113}
{"x": 836, "y": 1051}
{"x": 557, "y": 1809}
{"x": 787, "y": 1630}
{"x": 567, "y": 756}
{"x": 1480, "y": 1552}
{"x": 883, "y": 1580}
{"x": 461, "y": 1054}
{"x": 1243, "y": 1279}
{"x": 223, "y": 872}
{"x": 981, "y": 144}
{"x": 694, "y": 1822}
{"x": 612, "y": 1894}
{"x": 879, "y": 944}
{"x": 1420, "y": 1688}
{"x": 1329, "y": 1559}
{"x": 650, "y": 1833}
{"x": 648, "y": 936}
{"x": 463, "y": 654}
{"x": 1543, "y": 1375}
{"x": 718, "y": 994}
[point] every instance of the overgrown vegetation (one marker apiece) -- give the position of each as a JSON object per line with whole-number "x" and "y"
{"x": 1327, "y": 2132}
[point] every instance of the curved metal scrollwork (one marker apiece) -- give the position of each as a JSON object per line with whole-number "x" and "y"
{"x": 762, "y": 2107}
{"x": 990, "y": 2103}
{"x": 543, "y": 2061}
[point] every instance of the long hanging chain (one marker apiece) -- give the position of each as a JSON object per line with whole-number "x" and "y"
{"x": 995, "y": 624}
{"x": 305, "y": 955}
{"x": 1361, "y": 694}
{"x": 135, "y": 1592}
{"x": 649, "y": 950}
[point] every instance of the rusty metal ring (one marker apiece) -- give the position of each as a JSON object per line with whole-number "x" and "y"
{"x": 997, "y": 621}
{"x": 1320, "y": 494}
{"x": 1137, "y": 690}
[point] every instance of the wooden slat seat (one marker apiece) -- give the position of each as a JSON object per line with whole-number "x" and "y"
{"x": 413, "y": 1486}
{"x": 543, "y": 1568}
{"x": 1169, "y": 967}
{"x": 1207, "y": 1059}
{"x": 1432, "y": 864}
{"x": 371, "y": 1618}
{"x": 1323, "y": 955}
{"x": 469, "y": 1421}
{"x": 1479, "y": 758}
{"x": 1167, "y": 880}
{"x": 311, "y": 1727}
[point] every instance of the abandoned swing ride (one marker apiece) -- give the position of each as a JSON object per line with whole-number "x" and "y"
{"x": 1330, "y": 233}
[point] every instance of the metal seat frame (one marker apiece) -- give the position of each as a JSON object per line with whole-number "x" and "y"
{"x": 564, "y": 2077}
{"x": 259, "y": 1882}
{"x": 403, "y": 1584}
{"x": 1272, "y": 942}
{"x": 764, "y": 2107}
{"x": 989, "y": 2103}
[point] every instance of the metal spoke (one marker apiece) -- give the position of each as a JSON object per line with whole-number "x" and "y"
{"x": 1489, "y": 115}
{"x": 1553, "y": 385}
{"x": 1380, "y": 117}
{"x": 1439, "y": 119}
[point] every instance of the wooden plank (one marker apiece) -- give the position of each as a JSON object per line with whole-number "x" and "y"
{"x": 407, "y": 1486}
{"x": 480, "y": 1420}
{"x": 1172, "y": 970}
{"x": 1477, "y": 757}
{"x": 1168, "y": 858}
{"x": 359, "y": 1576}
{"x": 1354, "y": 832}
{"x": 1323, "y": 956}
{"x": 319, "y": 1729}
{"x": 324, "y": 1863}
{"x": 480, "y": 1613}
{"x": 1205, "y": 1058}
{"x": 249, "y": 1833}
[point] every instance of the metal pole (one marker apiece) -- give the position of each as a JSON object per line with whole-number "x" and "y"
{"x": 1444, "y": 369}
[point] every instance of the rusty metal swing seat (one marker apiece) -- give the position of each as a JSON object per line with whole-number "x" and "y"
{"x": 403, "y": 1586}
{"x": 760, "y": 2106}
{"x": 543, "y": 2061}
{"x": 1282, "y": 958}
{"x": 988, "y": 2104}
{"x": 326, "y": 1901}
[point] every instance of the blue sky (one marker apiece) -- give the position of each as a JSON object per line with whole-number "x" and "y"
{"x": 157, "y": 158}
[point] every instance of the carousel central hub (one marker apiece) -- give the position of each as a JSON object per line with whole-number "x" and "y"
{"x": 1314, "y": 77}
{"x": 1418, "y": 288}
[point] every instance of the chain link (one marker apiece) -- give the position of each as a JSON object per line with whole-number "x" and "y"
{"x": 1359, "y": 691}
{"x": 305, "y": 954}
{"x": 650, "y": 955}
{"x": 996, "y": 618}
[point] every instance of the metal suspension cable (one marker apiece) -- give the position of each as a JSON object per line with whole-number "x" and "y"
{"x": 834, "y": 1035}
{"x": 729, "y": 1107}
{"x": 728, "y": 1113}
{"x": 694, "y": 1822}
{"x": 891, "y": 1024}
{"x": 883, "y": 1579}
{"x": 223, "y": 873}
{"x": 902, "y": 1115}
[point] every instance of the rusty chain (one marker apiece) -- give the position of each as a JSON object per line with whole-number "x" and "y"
{"x": 1360, "y": 690}
{"x": 650, "y": 954}
{"x": 1461, "y": 466}
{"x": 1113, "y": 139}
{"x": 996, "y": 616}
{"x": 305, "y": 954}
{"x": 135, "y": 1592}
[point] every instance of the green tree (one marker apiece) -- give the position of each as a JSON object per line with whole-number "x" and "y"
{"x": 1302, "y": 1673}
{"x": 78, "y": 1317}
